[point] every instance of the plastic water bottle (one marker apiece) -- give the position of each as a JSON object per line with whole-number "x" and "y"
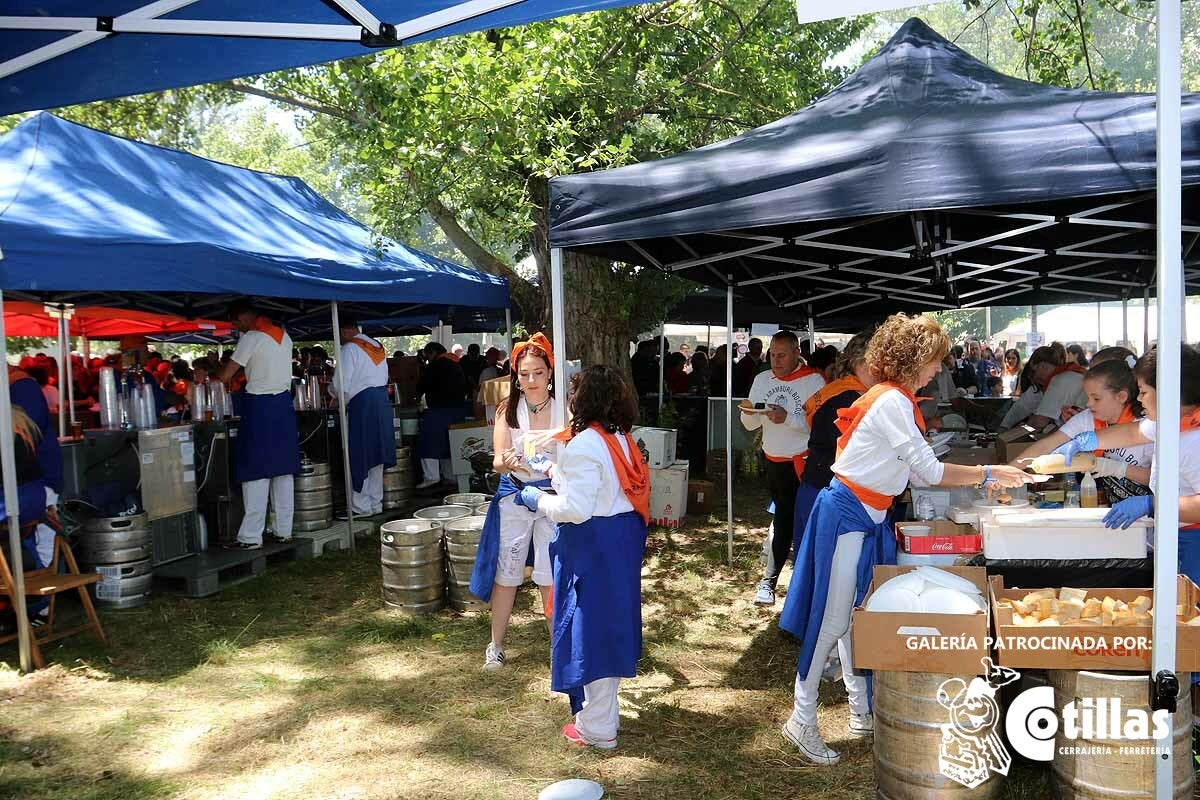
{"x": 1072, "y": 490}
{"x": 1088, "y": 494}
{"x": 925, "y": 508}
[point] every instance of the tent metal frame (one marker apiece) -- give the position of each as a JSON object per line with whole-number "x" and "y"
{"x": 367, "y": 29}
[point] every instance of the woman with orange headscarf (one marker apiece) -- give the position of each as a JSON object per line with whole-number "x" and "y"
{"x": 602, "y": 506}
{"x": 524, "y": 451}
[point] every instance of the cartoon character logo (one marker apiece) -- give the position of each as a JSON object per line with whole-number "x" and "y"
{"x": 472, "y": 445}
{"x": 641, "y": 443}
{"x": 971, "y": 748}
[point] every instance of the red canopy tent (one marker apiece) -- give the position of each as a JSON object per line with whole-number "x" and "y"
{"x": 32, "y": 319}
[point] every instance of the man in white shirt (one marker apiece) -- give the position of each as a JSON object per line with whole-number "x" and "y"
{"x": 783, "y": 391}
{"x": 362, "y": 363}
{"x": 267, "y": 453}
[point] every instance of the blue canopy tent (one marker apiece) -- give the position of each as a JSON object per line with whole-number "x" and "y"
{"x": 92, "y": 219}
{"x": 61, "y": 52}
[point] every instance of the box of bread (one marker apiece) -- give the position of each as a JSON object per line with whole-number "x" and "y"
{"x": 1097, "y": 629}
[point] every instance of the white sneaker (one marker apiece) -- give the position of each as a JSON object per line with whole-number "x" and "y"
{"x": 765, "y": 596}
{"x": 493, "y": 658}
{"x": 861, "y": 724}
{"x": 812, "y": 747}
{"x": 428, "y": 483}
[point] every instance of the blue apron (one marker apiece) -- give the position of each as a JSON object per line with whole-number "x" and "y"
{"x": 836, "y": 511}
{"x": 483, "y": 575}
{"x": 372, "y": 441}
{"x": 1189, "y": 554}
{"x": 806, "y": 498}
{"x": 597, "y": 625}
{"x": 433, "y": 440}
{"x": 267, "y": 442}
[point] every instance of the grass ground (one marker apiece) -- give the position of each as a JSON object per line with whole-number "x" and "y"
{"x": 299, "y": 685}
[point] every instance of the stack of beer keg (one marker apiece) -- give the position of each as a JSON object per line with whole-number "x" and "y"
{"x": 120, "y": 549}
{"x": 398, "y": 481}
{"x": 314, "y": 498}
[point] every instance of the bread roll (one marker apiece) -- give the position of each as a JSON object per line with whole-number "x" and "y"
{"x": 1056, "y": 463}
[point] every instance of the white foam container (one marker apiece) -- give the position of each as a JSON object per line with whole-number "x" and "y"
{"x": 1062, "y": 534}
{"x": 926, "y": 560}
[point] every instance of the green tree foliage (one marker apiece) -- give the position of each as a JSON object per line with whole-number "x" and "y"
{"x": 467, "y": 131}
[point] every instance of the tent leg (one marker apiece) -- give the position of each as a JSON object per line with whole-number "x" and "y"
{"x": 662, "y": 364}
{"x": 8, "y": 463}
{"x": 1125, "y": 322}
{"x": 1033, "y": 318}
{"x": 1146, "y": 320}
{"x": 86, "y": 345}
{"x": 508, "y": 327}
{"x": 1099, "y": 328}
{"x": 1170, "y": 312}
{"x": 62, "y": 372}
{"x": 987, "y": 325}
{"x": 812, "y": 336}
{"x": 345, "y": 429}
{"x": 70, "y": 377}
{"x": 559, "y": 330}
{"x": 729, "y": 355}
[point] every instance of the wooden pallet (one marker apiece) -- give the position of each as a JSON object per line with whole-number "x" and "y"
{"x": 210, "y": 572}
{"x": 335, "y": 538}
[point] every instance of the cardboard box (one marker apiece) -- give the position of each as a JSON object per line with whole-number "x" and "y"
{"x": 1013, "y": 442}
{"x": 970, "y": 456}
{"x": 657, "y": 446}
{"x": 944, "y": 538}
{"x": 467, "y": 439}
{"x": 702, "y": 496}
{"x": 1124, "y": 648}
{"x": 903, "y": 642}
{"x": 669, "y": 495}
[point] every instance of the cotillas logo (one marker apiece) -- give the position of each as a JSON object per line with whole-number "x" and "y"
{"x": 971, "y": 748}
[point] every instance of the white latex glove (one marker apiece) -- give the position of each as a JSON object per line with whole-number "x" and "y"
{"x": 1110, "y": 468}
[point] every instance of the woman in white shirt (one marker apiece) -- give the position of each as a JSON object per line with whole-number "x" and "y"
{"x": 602, "y": 506}
{"x": 881, "y": 448}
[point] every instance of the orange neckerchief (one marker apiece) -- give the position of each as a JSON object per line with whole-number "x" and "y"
{"x": 633, "y": 477}
{"x": 848, "y": 421}
{"x": 830, "y": 390}
{"x": 1191, "y": 422}
{"x": 1072, "y": 367}
{"x": 374, "y": 351}
{"x": 1099, "y": 424}
{"x": 539, "y": 340}
{"x": 264, "y": 325}
{"x": 449, "y": 357}
{"x": 802, "y": 371}
{"x": 16, "y": 374}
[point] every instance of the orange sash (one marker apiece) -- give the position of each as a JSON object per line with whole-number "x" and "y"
{"x": 374, "y": 351}
{"x": 264, "y": 325}
{"x": 1191, "y": 422}
{"x": 449, "y": 357}
{"x": 1072, "y": 367}
{"x": 801, "y": 372}
{"x": 848, "y": 421}
{"x": 1099, "y": 424}
{"x": 633, "y": 477}
{"x": 814, "y": 403}
{"x": 539, "y": 339}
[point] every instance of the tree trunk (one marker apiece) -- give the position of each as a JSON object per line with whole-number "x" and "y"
{"x": 595, "y": 334}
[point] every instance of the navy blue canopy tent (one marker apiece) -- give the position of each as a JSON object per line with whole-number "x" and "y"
{"x": 925, "y": 180}
{"x": 94, "y": 219}
{"x": 61, "y": 52}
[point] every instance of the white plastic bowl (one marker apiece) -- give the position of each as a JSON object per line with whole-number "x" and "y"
{"x": 941, "y": 577}
{"x": 940, "y": 600}
{"x": 912, "y": 581}
{"x": 894, "y": 598}
{"x": 572, "y": 789}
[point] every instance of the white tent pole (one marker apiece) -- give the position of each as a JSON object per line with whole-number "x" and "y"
{"x": 342, "y": 423}
{"x": 662, "y": 363}
{"x": 559, "y": 329}
{"x": 85, "y": 345}
{"x": 708, "y": 339}
{"x": 812, "y": 336}
{"x": 62, "y": 372}
{"x": 1099, "y": 328}
{"x": 1125, "y": 322}
{"x": 987, "y": 324}
{"x": 8, "y": 463}
{"x": 70, "y": 396}
{"x": 1170, "y": 302}
{"x": 729, "y": 354}
{"x": 1145, "y": 320}
{"x": 508, "y": 327}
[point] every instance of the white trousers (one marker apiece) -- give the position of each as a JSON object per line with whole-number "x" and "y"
{"x": 44, "y": 534}
{"x": 518, "y": 526}
{"x": 433, "y": 469}
{"x": 599, "y": 718}
{"x": 370, "y": 499}
{"x": 283, "y": 501}
{"x": 835, "y": 627}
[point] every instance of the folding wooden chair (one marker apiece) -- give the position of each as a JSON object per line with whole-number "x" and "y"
{"x": 49, "y": 582}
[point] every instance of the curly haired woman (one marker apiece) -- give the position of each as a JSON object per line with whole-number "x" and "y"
{"x": 881, "y": 447}
{"x": 601, "y": 504}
